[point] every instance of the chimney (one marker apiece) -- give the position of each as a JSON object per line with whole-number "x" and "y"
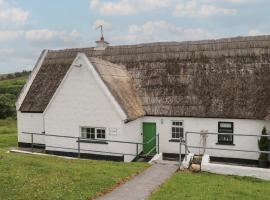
{"x": 101, "y": 44}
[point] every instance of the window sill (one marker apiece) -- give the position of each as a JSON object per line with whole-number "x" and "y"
{"x": 228, "y": 144}
{"x": 92, "y": 141}
{"x": 174, "y": 140}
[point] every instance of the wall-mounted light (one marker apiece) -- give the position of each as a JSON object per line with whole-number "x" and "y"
{"x": 79, "y": 65}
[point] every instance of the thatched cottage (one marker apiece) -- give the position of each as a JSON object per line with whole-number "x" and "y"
{"x": 111, "y": 97}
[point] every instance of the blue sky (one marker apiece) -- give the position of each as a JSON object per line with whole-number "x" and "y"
{"x": 28, "y": 26}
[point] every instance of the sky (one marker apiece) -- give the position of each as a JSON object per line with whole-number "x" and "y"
{"x": 29, "y": 26}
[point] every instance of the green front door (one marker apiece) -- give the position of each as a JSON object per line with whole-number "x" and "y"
{"x": 149, "y": 138}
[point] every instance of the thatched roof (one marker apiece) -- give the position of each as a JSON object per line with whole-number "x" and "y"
{"x": 120, "y": 85}
{"x": 226, "y": 78}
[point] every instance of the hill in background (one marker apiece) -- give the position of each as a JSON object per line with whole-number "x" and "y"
{"x": 10, "y": 87}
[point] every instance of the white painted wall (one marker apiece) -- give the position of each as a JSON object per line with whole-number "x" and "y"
{"x": 254, "y": 172}
{"x": 81, "y": 101}
{"x": 241, "y": 126}
{"x": 32, "y": 123}
{"x": 132, "y": 131}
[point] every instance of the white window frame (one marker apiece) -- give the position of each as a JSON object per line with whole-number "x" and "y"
{"x": 95, "y": 132}
{"x": 181, "y": 125}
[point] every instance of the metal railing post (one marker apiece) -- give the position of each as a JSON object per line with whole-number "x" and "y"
{"x": 158, "y": 143}
{"x": 32, "y": 142}
{"x": 180, "y": 152}
{"x": 186, "y": 140}
{"x": 137, "y": 150}
{"x": 79, "y": 148}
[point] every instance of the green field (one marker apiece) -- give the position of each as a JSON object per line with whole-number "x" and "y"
{"x": 205, "y": 186}
{"x": 13, "y": 85}
{"x": 8, "y": 133}
{"x": 27, "y": 177}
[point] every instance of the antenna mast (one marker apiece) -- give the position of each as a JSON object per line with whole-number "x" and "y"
{"x": 101, "y": 44}
{"x": 101, "y": 31}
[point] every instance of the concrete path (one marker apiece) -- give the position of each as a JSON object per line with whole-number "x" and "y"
{"x": 141, "y": 186}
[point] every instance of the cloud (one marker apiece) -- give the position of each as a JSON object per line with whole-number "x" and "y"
{"x": 17, "y": 59}
{"x": 154, "y": 31}
{"x": 94, "y": 3}
{"x": 127, "y": 7}
{"x": 45, "y": 35}
{"x": 22, "y": 47}
{"x": 255, "y": 32}
{"x": 240, "y": 1}
{"x": 195, "y": 8}
{"x": 9, "y": 14}
{"x": 229, "y": 1}
{"x": 5, "y": 54}
{"x": 6, "y": 51}
{"x": 10, "y": 35}
{"x": 105, "y": 24}
{"x": 40, "y": 36}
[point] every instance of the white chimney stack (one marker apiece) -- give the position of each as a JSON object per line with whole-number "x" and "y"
{"x": 101, "y": 44}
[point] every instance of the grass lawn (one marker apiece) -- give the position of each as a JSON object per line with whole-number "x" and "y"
{"x": 205, "y": 186}
{"x": 8, "y": 133}
{"x": 40, "y": 177}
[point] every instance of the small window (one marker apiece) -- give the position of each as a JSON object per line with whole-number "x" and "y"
{"x": 224, "y": 129}
{"x": 177, "y": 129}
{"x": 100, "y": 133}
{"x": 93, "y": 133}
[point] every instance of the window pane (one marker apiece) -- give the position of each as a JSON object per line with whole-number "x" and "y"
{"x": 101, "y": 133}
{"x": 83, "y": 132}
{"x": 92, "y": 130}
{"x": 173, "y": 135}
{"x": 177, "y": 123}
{"x": 223, "y": 130}
{"x": 181, "y": 130}
{"x": 92, "y": 136}
{"x": 223, "y": 138}
{"x": 225, "y": 125}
